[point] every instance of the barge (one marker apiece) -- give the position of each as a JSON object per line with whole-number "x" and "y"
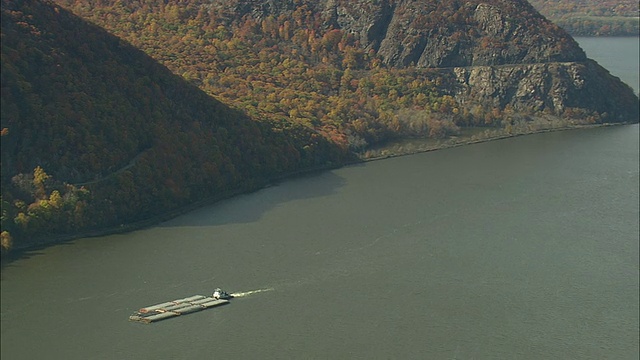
{"x": 179, "y": 307}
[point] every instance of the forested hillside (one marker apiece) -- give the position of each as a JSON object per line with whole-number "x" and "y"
{"x": 290, "y": 66}
{"x": 345, "y": 68}
{"x": 593, "y": 17}
{"x": 95, "y": 133}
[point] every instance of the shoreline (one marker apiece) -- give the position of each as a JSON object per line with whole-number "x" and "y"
{"x": 463, "y": 141}
{"x": 18, "y": 252}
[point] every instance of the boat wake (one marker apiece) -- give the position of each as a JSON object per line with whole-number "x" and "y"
{"x": 247, "y": 293}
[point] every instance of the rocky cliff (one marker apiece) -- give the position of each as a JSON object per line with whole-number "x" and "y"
{"x": 439, "y": 33}
{"x": 575, "y": 88}
{"x": 501, "y": 53}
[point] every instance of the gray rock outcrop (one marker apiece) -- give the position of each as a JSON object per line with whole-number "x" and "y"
{"x": 501, "y": 52}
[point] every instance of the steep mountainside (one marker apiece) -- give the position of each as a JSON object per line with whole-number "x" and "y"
{"x": 368, "y": 60}
{"x": 438, "y": 33}
{"x": 95, "y": 133}
{"x": 541, "y": 66}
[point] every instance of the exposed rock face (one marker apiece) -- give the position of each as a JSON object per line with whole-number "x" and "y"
{"x": 503, "y": 51}
{"x": 432, "y": 33}
{"x": 555, "y": 87}
{"x": 473, "y": 33}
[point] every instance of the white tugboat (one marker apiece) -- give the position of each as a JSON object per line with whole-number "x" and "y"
{"x": 221, "y": 294}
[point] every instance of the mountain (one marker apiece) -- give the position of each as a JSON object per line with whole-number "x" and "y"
{"x": 96, "y": 134}
{"x": 199, "y": 99}
{"x": 434, "y": 34}
{"x": 341, "y": 55}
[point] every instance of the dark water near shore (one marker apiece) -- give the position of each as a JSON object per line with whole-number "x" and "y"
{"x": 524, "y": 248}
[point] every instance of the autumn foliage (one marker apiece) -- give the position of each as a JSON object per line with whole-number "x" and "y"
{"x": 96, "y": 134}
{"x": 115, "y": 112}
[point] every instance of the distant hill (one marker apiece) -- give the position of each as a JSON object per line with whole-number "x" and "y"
{"x": 200, "y": 100}
{"x": 95, "y": 133}
{"x": 593, "y": 17}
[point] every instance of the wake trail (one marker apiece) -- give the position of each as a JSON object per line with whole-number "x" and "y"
{"x": 247, "y": 293}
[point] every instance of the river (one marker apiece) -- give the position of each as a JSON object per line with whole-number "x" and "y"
{"x": 523, "y": 248}
{"x": 619, "y": 55}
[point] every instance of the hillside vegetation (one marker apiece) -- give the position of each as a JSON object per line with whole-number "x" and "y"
{"x": 199, "y": 99}
{"x": 593, "y": 17}
{"x": 96, "y": 134}
{"x": 309, "y": 62}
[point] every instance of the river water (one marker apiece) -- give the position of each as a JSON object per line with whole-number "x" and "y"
{"x": 619, "y": 55}
{"x": 523, "y": 248}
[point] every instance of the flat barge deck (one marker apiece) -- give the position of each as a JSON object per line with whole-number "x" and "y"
{"x": 175, "y": 308}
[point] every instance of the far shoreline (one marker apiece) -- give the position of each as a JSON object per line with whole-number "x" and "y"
{"x": 22, "y": 251}
{"x": 463, "y": 141}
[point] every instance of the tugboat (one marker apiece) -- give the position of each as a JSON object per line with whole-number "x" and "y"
{"x": 221, "y": 294}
